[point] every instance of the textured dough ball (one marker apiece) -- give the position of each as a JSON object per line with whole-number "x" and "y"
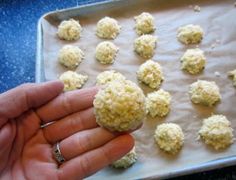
{"x": 150, "y": 73}
{"x": 190, "y": 34}
{"x": 72, "y": 80}
{"x": 193, "y": 61}
{"x": 108, "y": 28}
{"x": 120, "y": 106}
{"x": 232, "y": 74}
{"x": 145, "y": 45}
{"x": 70, "y": 56}
{"x": 169, "y": 137}
{"x": 108, "y": 76}
{"x": 204, "y": 92}
{"x": 158, "y": 103}
{"x": 216, "y": 132}
{"x": 106, "y": 52}
{"x": 126, "y": 161}
{"x": 69, "y": 30}
{"x": 144, "y": 23}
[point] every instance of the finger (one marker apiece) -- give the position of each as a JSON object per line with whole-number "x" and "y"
{"x": 84, "y": 141}
{"x": 20, "y": 99}
{"x": 67, "y": 103}
{"x": 92, "y": 161}
{"x": 69, "y": 125}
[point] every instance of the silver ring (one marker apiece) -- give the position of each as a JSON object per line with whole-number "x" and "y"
{"x": 57, "y": 153}
{"x": 45, "y": 125}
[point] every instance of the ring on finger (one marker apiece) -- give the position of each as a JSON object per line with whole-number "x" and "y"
{"x": 57, "y": 153}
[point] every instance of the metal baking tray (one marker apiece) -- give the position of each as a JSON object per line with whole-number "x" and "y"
{"x": 103, "y": 6}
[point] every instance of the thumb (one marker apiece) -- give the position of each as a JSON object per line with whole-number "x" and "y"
{"x": 18, "y": 100}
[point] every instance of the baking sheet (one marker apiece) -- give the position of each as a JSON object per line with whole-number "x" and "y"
{"x": 216, "y": 18}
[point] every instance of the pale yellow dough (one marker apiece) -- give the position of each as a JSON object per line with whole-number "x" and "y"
{"x": 216, "y": 131}
{"x": 232, "y": 74}
{"x": 69, "y": 30}
{"x": 204, "y": 92}
{"x": 190, "y": 34}
{"x": 193, "y": 61}
{"x": 70, "y": 56}
{"x": 158, "y": 103}
{"x": 144, "y": 23}
{"x": 145, "y": 45}
{"x": 150, "y": 73}
{"x": 72, "y": 80}
{"x": 169, "y": 137}
{"x": 108, "y": 76}
{"x": 108, "y": 28}
{"x": 106, "y": 52}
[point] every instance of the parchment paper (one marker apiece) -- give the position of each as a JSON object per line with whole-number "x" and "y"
{"x": 217, "y": 18}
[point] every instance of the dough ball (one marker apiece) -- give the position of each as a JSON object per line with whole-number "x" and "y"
{"x": 108, "y": 28}
{"x": 70, "y": 56}
{"x": 72, "y": 80}
{"x": 232, "y": 74}
{"x": 169, "y": 137}
{"x": 120, "y": 106}
{"x": 204, "y": 92}
{"x": 69, "y": 30}
{"x": 216, "y": 132}
{"x": 108, "y": 76}
{"x": 190, "y": 34}
{"x": 144, "y": 23}
{"x": 150, "y": 73}
{"x": 158, "y": 103}
{"x": 126, "y": 161}
{"x": 106, "y": 52}
{"x": 193, "y": 61}
{"x": 145, "y": 45}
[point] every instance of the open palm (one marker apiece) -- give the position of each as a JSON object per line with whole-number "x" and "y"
{"x": 26, "y": 148}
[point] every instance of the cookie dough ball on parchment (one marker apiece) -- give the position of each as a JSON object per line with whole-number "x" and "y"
{"x": 70, "y": 56}
{"x": 169, "y": 137}
{"x": 145, "y": 45}
{"x": 158, "y": 103}
{"x": 108, "y": 76}
{"x": 72, "y": 80}
{"x": 106, "y": 52}
{"x": 193, "y": 61}
{"x": 69, "y": 30}
{"x": 126, "y": 161}
{"x": 204, "y": 92}
{"x": 216, "y": 131}
{"x": 144, "y": 23}
{"x": 232, "y": 74}
{"x": 190, "y": 34}
{"x": 150, "y": 73}
{"x": 120, "y": 106}
{"x": 108, "y": 28}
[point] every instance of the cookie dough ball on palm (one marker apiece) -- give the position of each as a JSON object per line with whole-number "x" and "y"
{"x": 204, "y": 92}
{"x": 216, "y": 131}
{"x": 150, "y": 73}
{"x": 70, "y": 56}
{"x": 193, "y": 61}
{"x": 145, "y": 45}
{"x": 108, "y": 28}
{"x": 190, "y": 34}
{"x": 232, "y": 74}
{"x": 126, "y": 161}
{"x": 106, "y": 52}
{"x": 144, "y": 23}
{"x": 158, "y": 103}
{"x": 69, "y": 30}
{"x": 120, "y": 106}
{"x": 72, "y": 80}
{"x": 169, "y": 137}
{"x": 108, "y": 76}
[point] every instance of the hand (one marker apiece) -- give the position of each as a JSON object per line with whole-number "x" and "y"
{"x": 26, "y": 148}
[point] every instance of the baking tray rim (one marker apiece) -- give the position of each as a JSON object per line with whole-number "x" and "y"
{"x": 40, "y": 77}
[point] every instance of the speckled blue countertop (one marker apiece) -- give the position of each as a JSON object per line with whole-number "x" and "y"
{"x": 18, "y": 26}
